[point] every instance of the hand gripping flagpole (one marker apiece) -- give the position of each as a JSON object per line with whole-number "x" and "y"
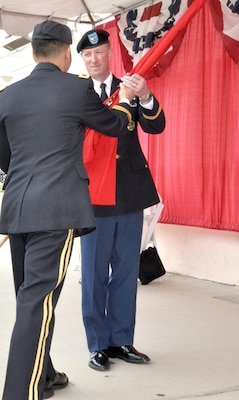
{"x": 101, "y": 164}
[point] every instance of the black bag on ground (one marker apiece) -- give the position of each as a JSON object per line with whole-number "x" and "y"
{"x": 151, "y": 267}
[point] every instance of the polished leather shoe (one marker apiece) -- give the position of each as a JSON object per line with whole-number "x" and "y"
{"x": 128, "y": 354}
{"x": 60, "y": 382}
{"x": 99, "y": 360}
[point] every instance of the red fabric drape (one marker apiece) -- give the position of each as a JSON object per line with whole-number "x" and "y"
{"x": 195, "y": 162}
{"x": 226, "y": 16}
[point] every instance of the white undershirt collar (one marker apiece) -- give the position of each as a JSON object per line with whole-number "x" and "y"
{"x": 108, "y": 82}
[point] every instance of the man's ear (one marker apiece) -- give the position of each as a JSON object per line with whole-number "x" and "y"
{"x": 68, "y": 58}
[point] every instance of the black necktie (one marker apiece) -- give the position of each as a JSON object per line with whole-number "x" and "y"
{"x": 103, "y": 95}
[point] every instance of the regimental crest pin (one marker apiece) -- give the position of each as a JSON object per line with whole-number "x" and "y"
{"x": 93, "y": 38}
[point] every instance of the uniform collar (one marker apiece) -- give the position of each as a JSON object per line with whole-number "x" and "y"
{"x": 46, "y": 66}
{"x": 108, "y": 82}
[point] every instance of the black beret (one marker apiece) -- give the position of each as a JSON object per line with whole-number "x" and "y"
{"x": 93, "y": 38}
{"x": 51, "y": 30}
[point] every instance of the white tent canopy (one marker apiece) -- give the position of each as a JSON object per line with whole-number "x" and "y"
{"x": 18, "y": 18}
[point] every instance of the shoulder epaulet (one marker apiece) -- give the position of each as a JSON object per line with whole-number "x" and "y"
{"x": 84, "y": 76}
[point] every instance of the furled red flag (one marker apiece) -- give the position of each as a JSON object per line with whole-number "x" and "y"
{"x": 99, "y": 153}
{"x": 225, "y": 15}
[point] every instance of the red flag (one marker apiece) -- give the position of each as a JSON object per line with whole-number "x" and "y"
{"x": 99, "y": 157}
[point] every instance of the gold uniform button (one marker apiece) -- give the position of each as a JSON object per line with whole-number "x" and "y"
{"x": 131, "y": 126}
{"x": 117, "y": 156}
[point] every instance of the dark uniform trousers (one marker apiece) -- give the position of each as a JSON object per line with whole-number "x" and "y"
{"x": 103, "y": 288}
{"x": 40, "y": 261}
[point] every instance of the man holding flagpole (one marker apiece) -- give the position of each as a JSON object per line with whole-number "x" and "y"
{"x": 110, "y": 255}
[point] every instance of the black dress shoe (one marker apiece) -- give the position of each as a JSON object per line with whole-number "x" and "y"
{"x": 128, "y": 354}
{"x": 99, "y": 360}
{"x": 60, "y": 382}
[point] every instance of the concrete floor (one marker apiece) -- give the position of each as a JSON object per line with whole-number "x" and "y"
{"x": 189, "y": 328}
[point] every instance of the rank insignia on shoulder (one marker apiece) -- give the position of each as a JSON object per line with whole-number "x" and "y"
{"x": 84, "y": 76}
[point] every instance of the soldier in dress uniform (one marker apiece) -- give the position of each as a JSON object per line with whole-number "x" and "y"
{"x": 110, "y": 254}
{"x": 46, "y": 201}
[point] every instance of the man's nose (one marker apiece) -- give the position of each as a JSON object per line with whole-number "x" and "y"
{"x": 93, "y": 58}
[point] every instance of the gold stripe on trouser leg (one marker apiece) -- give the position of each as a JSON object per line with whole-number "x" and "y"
{"x": 46, "y": 319}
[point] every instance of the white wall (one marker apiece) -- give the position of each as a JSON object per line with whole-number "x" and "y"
{"x": 199, "y": 252}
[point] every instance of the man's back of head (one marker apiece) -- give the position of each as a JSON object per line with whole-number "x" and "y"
{"x": 49, "y": 40}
